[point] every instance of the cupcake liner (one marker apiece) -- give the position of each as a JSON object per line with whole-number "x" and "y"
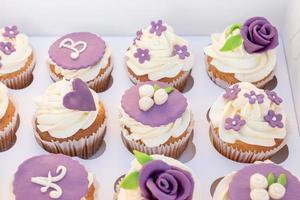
{"x": 117, "y": 188}
{"x": 83, "y": 148}
{"x": 8, "y": 134}
{"x": 240, "y": 156}
{"x": 173, "y": 150}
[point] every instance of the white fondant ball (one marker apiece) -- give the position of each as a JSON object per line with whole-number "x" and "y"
{"x": 258, "y": 181}
{"x": 160, "y": 97}
{"x": 146, "y": 90}
{"x": 259, "y": 194}
{"x": 145, "y": 103}
{"x": 276, "y": 191}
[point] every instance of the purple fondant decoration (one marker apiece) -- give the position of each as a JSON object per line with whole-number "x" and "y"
{"x": 157, "y": 115}
{"x": 235, "y": 123}
{"x": 74, "y": 184}
{"x": 157, "y": 27}
{"x": 272, "y": 95}
{"x": 232, "y": 92}
{"x": 89, "y": 57}
{"x": 7, "y": 48}
{"x": 181, "y": 51}
{"x": 142, "y": 55}
{"x": 239, "y": 188}
{"x": 80, "y": 98}
{"x": 274, "y": 120}
{"x": 253, "y": 97}
{"x": 11, "y": 32}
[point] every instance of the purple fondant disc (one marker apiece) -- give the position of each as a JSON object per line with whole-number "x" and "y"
{"x": 157, "y": 115}
{"x": 239, "y": 188}
{"x": 74, "y": 184}
{"x": 89, "y": 57}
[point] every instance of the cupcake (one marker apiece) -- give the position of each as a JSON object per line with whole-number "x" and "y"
{"x": 155, "y": 119}
{"x": 49, "y": 177}
{"x": 81, "y": 55}
{"x": 157, "y": 177}
{"x": 158, "y": 54}
{"x": 70, "y": 119}
{"x": 16, "y": 58}
{"x": 243, "y": 53}
{"x": 248, "y": 124}
{"x": 261, "y": 181}
{"x": 9, "y": 120}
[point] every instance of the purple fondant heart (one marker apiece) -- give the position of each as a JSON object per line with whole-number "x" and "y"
{"x": 80, "y": 98}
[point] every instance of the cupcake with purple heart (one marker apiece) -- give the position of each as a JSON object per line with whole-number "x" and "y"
{"x": 243, "y": 53}
{"x": 17, "y": 58}
{"x": 259, "y": 181}
{"x": 158, "y": 54}
{"x": 158, "y": 177}
{"x": 49, "y": 177}
{"x": 81, "y": 55}
{"x": 248, "y": 124}
{"x": 70, "y": 119}
{"x": 155, "y": 119}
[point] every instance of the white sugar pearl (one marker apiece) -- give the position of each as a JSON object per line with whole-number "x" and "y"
{"x": 276, "y": 191}
{"x": 146, "y": 90}
{"x": 145, "y": 103}
{"x": 258, "y": 181}
{"x": 259, "y": 194}
{"x": 160, "y": 97}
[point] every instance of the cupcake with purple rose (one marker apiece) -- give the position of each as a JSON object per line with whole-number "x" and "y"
{"x": 155, "y": 119}
{"x": 243, "y": 53}
{"x": 158, "y": 177}
{"x": 248, "y": 124}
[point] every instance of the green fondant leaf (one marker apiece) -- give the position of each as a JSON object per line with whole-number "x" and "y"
{"x": 169, "y": 89}
{"x": 271, "y": 179}
{"x": 282, "y": 179}
{"x": 142, "y": 157}
{"x": 131, "y": 181}
{"x": 156, "y": 87}
{"x": 233, "y": 27}
{"x": 232, "y": 42}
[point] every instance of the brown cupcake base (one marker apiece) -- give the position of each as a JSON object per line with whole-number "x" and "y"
{"x": 91, "y": 193}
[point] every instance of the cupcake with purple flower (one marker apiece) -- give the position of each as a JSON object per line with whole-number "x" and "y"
{"x": 158, "y": 54}
{"x": 243, "y": 53}
{"x": 248, "y": 124}
{"x": 16, "y": 58}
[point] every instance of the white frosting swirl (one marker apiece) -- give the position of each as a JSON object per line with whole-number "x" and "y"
{"x": 245, "y": 67}
{"x": 3, "y": 100}
{"x": 259, "y": 194}
{"x": 277, "y": 191}
{"x": 163, "y": 63}
{"x": 258, "y": 181}
{"x": 85, "y": 74}
{"x": 59, "y": 121}
{"x": 256, "y": 131}
{"x": 154, "y": 136}
{"x": 17, "y": 59}
{"x": 135, "y": 194}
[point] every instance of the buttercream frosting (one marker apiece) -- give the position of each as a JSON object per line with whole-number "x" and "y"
{"x": 3, "y": 100}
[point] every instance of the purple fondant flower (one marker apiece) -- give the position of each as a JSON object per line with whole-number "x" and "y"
{"x": 232, "y": 92}
{"x": 253, "y": 97}
{"x": 272, "y": 95}
{"x": 11, "y": 32}
{"x": 259, "y": 35}
{"x": 160, "y": 181}
{"x": 234, "y": 123}
{"x": 142, "y": 55}
{"x": 274, "y": 120}
{"x": 138, "y": 36}
{"x": 157, "y": 27}
{"x": 181, "y": 51}
{"x": 7, "y": 48}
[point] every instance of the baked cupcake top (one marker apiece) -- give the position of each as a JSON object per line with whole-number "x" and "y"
{"x": 3, "y": 100}
{"x": 157, "y": 177}
{"x": 250, "y": 115}
{"x": 79, "y": 55}
{"x": 154, "y": 112}
{"x": 14, "y": 50}
{"x": 246, "y": 50}
{"x": 49, "y": 177}
{"x": 261, "y": 181}
{"x": 158, "y": 52}
{"x": 66, "y": 107}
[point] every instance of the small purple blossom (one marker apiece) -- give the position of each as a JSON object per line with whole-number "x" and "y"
{"x": 157, "y": 27}
{"x": 142, "y": 55}
{"x": 11, "y": 32}
{"x": 234, "y": 123}
{"x": 138, "y": 36}
{"x": 272, "y": 95}
{"x": 181, "y": 51}
{"x": 231, "y": 93}
{"x": 7, "y": 48}
{"x": 274, "y": 120}
{"x": 253, "y": 97}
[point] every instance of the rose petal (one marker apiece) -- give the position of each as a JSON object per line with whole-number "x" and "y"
{"x": 169, "y": 182}
{"x": 157, "y": 193}
{"x": 258, "y": 39}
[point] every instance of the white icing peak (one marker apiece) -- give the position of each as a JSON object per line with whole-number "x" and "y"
{"x": 3, "y": 99}
{"x": 74, "y": 47}
{"x": 276, "y": 191}
{"x": 50, "y": 181}
{"x": 258, "y": 181}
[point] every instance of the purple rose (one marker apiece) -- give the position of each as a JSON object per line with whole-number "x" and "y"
{"x": 259, "y": 35}
{"x": 160, "y": 181}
